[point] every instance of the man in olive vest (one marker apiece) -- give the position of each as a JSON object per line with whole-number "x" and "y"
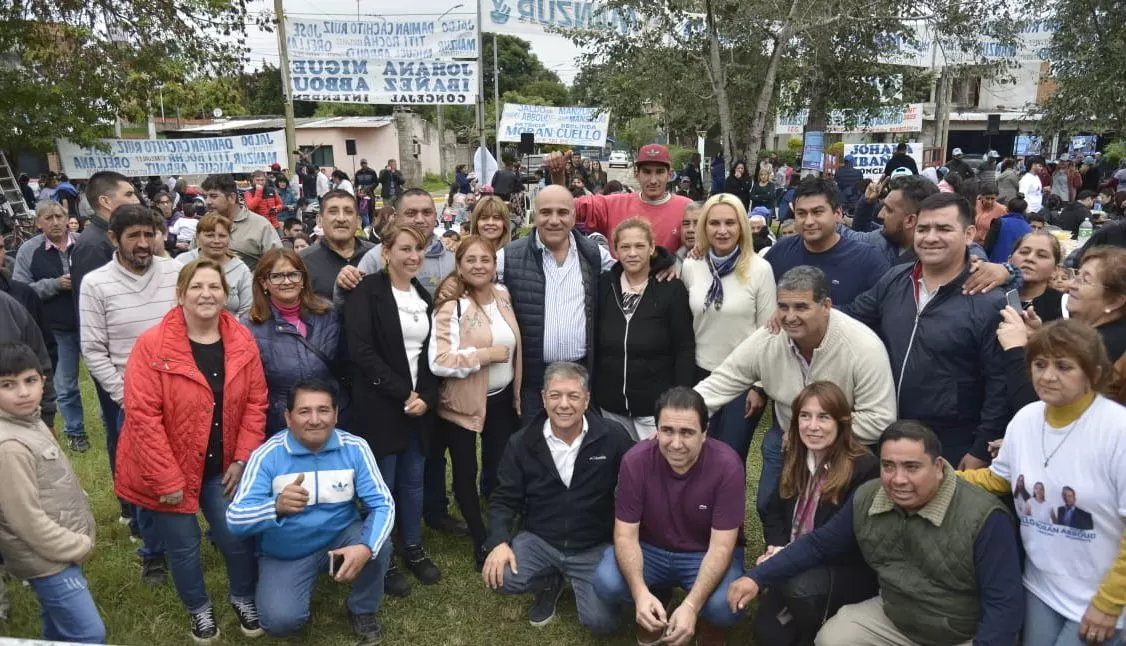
{"x": 945, "y": 555}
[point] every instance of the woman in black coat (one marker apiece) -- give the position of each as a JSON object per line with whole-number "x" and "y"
{"x": 645, "y": 341}
{"x": 824, "y": 466}
{"x": 739, "y": 185}
{"x": 387, "y": 321}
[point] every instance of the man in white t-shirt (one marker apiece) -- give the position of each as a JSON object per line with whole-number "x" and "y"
{"x": 1031, "y": 187}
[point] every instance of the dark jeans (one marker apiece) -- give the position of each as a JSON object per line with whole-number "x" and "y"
{"x": 730, "y": 426}
{"x": 67, "y": 609}
{"x": 435, "y": 503}
{"x": 110, "y": 414}
{"x": 771, "y": 476}
{"x": 181, "y": 536}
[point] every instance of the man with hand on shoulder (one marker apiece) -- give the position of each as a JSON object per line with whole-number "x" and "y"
{"x": 944, "y": 552}
{"x": 678, "y": 523}
{"x": 298, "y": 495}
{"x": 558, "y": 476}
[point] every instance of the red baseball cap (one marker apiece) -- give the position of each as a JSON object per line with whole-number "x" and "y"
{"x": 275, "y": 166}
{"x": 653, "y": 154}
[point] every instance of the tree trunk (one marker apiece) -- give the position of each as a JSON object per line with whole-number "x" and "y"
{"x": 818, "y": 118}
{"x": 718, "y": 78}
{"x": 762, "y": 105}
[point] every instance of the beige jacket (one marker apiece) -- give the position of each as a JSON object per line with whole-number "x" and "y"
{"x": 457, "y": 353}
{"x": 46, "y": 523}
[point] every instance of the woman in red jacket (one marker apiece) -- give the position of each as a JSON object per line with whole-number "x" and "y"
{"x": 195, "y": 408}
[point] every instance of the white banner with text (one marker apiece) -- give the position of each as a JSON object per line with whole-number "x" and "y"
{"x": 906, "y": 118}
{"x": 552, "y": 125}
{"x": 871, "y": 159}
{"x": 346, "y": 80}
{"x": 385, "y": 39}
{"x": 202, "y": 156}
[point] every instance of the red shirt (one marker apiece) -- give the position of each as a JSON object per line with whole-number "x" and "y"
{"x": 601, "y": 213}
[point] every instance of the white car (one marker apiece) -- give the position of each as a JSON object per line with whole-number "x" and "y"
{"x": 618, "y": 159}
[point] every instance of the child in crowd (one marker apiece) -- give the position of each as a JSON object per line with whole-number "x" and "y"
{"x": 46, "y": 524}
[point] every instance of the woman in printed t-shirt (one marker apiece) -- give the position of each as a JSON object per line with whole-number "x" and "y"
{"x": 1075, "y": 575}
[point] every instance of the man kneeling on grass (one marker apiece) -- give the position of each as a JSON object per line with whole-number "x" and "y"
{"x": 298, "y": 494}
{"x": 46, "y": 525}
{"x": 679, "y": 523}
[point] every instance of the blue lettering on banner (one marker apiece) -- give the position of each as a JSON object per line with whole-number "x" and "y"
{"x": 142, "y": 157}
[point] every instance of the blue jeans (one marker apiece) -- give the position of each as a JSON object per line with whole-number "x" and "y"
{"x": 730, "y": 426}
{"x": 66, "y": 384}
{"x": 67, "y": 609}
{"x": 153, "y": 546}
{"x": 663, "y": 569}
{"x": 286, "y": 586}
{"x": 537, "y": 562}
{"x": 1046, "y": 627}
{"x": 181, "y": 536}
{"x": 111, "y": 421}
{"x": 403, "y": 474}
{"x": 771, "y": 476}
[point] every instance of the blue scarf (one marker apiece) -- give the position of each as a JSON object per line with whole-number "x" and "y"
{"x": 721, "y": 266}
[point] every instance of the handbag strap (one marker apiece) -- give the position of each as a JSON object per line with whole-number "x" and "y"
{"x": 329, "y": 363}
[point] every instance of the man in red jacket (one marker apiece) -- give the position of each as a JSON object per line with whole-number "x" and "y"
{"x": 262, "y": 198}
{"x": 601, "y": 213}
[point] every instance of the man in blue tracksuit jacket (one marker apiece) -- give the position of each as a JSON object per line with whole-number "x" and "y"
{"x": 298, "y": 496}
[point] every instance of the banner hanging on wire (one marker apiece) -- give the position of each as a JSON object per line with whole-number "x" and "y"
{"x": 346, "y": 80}
{"x": 551, "y": 125}
{"x": 202, "y": 156}
{"x": 383, "y": 38}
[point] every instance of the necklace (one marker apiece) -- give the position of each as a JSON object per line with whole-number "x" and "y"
{"x": 1043, "y": 434}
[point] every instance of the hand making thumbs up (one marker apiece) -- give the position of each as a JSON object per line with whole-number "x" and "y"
{"x": 293, "y": 498}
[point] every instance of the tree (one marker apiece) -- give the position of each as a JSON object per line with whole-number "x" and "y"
{"x": 263, "y": 89}
{"x": 637, "y": 132}
{"x": 517, "y": 66}
{"x": 73, "y": 67}
{"x": 1088, "y": 54}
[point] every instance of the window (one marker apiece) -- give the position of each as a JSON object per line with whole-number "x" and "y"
{"x": 321, "y": 155}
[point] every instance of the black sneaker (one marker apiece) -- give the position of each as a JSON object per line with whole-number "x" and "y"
{"x": 247, "y": 613}
{"x": 154, "y": 570}
{"x": 420, "y": 565}
{"x": 79, "y": 443}
{"x": 543, "y": 604}
{"x": 367, "y": 628}
{"x": 204, "y": 628}
{"x": 447, "y": 524}
{"x": 395, "y": 583}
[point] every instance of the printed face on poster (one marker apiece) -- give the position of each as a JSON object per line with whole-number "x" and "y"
{"x": 813, "y": 150}
{"x": 202, "y": 156}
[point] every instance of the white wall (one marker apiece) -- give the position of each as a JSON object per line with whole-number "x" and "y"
{"x": 995, "y": 96}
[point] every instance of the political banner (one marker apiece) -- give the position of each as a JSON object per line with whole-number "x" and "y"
{"x": 905, "y": 118}
{"x": 383, "y": 39}
{"x": 871, "y": 159}
{"x": 813, "y": 150}
{"x": 347, "y": 80}
{"x": 1025, "y": 145}
{"x": 928, "y": 49}
{"x": 536, "y": 17}
{"x": 1083, "y": 145}
{"x": 551, "y": 125}
{"x": 202, "y": 156}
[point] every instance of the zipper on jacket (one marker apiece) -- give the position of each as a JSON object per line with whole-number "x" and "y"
{"x": 907, "y": 355}
{"x": 625, "y": 346}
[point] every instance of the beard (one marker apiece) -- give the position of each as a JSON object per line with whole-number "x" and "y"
{"x": 138, "y": 263}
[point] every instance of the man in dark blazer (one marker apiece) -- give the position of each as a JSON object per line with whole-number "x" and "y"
{"x": 1071, "y": 516}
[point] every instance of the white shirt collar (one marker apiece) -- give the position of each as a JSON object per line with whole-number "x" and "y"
{"x": 551, "y": 436}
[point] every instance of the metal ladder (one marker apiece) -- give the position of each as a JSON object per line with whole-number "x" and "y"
{"x": 11, "y": 190}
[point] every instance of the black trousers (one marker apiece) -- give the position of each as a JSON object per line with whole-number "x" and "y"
{"x": 791, "y": 613}
{"x": 500, "y": 424}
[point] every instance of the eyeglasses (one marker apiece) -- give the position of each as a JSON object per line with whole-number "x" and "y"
{"x": 286, "y": 276}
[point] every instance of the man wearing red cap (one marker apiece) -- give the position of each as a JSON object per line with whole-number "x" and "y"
{"x": 601, "y": 213}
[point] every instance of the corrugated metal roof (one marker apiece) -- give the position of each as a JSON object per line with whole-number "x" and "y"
{"x": 277, "y": 123}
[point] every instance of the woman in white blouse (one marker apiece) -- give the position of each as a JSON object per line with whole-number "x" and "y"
{"x": 387, "y": 321}
{"x": 476, "y": 348}
{"x": 731, "y": 293}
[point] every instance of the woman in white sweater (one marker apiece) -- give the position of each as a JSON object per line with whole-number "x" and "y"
{"x": 731, "y": 293}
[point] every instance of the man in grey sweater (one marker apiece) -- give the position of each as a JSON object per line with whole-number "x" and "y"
{"x": 117, "y": 303}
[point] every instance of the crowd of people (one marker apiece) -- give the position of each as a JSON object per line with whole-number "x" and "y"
{"x": 610, "y": 366}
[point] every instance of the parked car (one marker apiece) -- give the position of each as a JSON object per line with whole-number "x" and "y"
{"x": 619, "y": 159}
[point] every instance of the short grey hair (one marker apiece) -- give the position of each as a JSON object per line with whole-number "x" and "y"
{"x": 566, "y": 370}
{"x": 805, "y": 278}
{"x": 693, "y": 206}
{"x": 43, "y": 207}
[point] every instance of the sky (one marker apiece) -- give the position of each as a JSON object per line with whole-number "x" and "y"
{"x": 557, "y": 53}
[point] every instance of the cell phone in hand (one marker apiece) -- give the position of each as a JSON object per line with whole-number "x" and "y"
{"x": 1012, "y": 297}
{"x": 335, "y": 563}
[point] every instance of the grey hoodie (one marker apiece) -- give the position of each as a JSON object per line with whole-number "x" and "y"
{"x": 438, "y": 263}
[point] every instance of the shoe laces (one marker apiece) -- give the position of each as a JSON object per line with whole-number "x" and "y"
{"x": 247, "y": 610}
{"x": 417, "y": 554}
{"x": 204, "y": 621}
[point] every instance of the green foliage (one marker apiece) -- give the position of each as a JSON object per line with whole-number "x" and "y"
{"x": 794, "y": 144}
{"x": 1088, "y": 53}
{"x": 1114, "y": 153}
{"x": 680, "y": 156}
{"x": 435, "y": 183}
{"x": 637, "y": 132}
{"x": 784, "y": 155}
{"x": 67, "y": 75}
{"x": 519, "y": 69}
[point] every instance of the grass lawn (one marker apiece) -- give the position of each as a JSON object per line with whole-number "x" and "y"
{"x": 459, "y": 611}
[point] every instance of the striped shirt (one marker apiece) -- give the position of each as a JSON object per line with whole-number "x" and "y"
{"x": 564, "y": 303}
{"x": 115, "y": 306}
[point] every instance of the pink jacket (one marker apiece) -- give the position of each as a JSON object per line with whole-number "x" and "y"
{"x": 457, "y": 354}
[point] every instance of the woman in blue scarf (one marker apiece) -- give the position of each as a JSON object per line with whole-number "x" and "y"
{"x": 731, "y": 293}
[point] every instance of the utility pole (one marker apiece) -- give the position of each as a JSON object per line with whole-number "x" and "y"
{"x": 287, "y": 88}
{"x": 496, "y": 97}
{"x": 480, "y": 77}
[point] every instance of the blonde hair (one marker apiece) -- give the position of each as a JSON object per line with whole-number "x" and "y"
{"x": 496, "y": 206}
{"x": 746, "y": 240}
{"x": 188, "y": 272}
